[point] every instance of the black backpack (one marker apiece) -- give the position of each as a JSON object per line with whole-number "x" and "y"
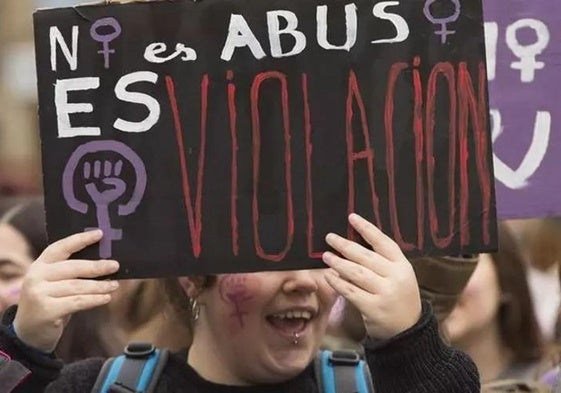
{"x": 138, "y": 369}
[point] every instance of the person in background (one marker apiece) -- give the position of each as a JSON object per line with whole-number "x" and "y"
{"x": 137, "y": 312}
{"x": 544, "y": 249}
{"x": 494, "y": 319}
{"x": 441, "y": 282}
{"x": 22, "y": 239}
{"x": 540, "y": 243}
{"x": 251, "y": 332}
{"x": 142, "y": 312}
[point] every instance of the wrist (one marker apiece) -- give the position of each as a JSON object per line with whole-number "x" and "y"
{"x": 28, "y": 344}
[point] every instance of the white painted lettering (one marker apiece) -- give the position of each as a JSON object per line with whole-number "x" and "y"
{"x": 64, "y": 108}
{"x": 401, "y": 26}
{"x": 56, "y": 39}
{"x": 137, "y": 98}
{"x": 351, "y": 24}
{"x": 275, "y": 32}
{"x": 153, "y": 50}
{"x": 239, "y": 36}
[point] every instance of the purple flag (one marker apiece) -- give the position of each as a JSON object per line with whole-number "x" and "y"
{"x": 524, "y": 69}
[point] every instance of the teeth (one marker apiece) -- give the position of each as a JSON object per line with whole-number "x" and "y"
{"x": 294, "y": 314}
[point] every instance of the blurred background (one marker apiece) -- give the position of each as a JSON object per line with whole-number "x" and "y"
{"x": 20, "y": 169}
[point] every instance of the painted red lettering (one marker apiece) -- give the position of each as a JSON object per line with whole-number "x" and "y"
{"x": 309, "y": 193}
{"x": 234, "y": 166}
{"x": 390, "y": 163}
{"x": 256, "y": 133}
{"x": 193, "y": 217}
{"x": 418, "y": 130}
{"x": 447, "y": 71}
{"x": 367, "y": 154}
{"x": 475, "y": 109}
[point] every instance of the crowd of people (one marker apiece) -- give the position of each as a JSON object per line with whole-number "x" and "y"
{"x": 451, "y": 324}
{"x": 470, "y": 318}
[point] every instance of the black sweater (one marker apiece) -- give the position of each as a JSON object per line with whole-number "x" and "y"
{"x": 414, "y": 361}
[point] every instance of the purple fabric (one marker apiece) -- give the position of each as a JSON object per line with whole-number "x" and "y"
{"x": 550, "y": 378}
{"x": 525, "y": 188}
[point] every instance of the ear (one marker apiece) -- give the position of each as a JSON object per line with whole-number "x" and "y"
{"x": 192, "y": 285}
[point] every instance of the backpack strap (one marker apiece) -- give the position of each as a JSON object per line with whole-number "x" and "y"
{"x": 342, "y": 372}
{"x": 136, "y": 371}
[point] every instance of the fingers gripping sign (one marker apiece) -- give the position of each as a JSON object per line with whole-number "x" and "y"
{"x": 55, "y": 287}
{"x": 379, "y": 282}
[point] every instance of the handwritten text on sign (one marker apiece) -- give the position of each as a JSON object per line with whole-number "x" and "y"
{"x": 230, "y": 136}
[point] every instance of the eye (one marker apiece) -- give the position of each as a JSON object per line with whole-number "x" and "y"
{"x": 10, "y": 270}
{"x": 8, "y": 276}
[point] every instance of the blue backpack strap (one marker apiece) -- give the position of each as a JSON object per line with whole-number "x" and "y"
{"x": 342, "y": 372}
{"x": 136, "y": 371}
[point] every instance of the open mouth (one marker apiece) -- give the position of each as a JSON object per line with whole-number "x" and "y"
{"x": 290, "y": 322}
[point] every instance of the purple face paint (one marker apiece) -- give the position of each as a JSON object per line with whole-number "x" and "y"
{"x": 233, "y": 290}
{"x": 113, "y": 186}
{"x": 105, "y": 39}
{"x": 14, "y": 291}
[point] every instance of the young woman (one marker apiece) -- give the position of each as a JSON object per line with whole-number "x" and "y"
{"x": 255, "y": 332}
{"x": 494, "y": 320}
{"x": 22, "y": 239}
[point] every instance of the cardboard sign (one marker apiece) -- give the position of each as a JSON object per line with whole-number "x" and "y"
{"x": 524, "y": 76}
{"x": 231, "y": 136}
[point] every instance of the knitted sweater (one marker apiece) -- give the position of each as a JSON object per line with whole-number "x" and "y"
{"x": 416, "y": 360}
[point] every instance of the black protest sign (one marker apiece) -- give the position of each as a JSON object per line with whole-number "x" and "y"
{"x": 233, "y": 135}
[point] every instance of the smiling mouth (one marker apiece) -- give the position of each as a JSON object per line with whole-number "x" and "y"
{"x": 291, "y": 322}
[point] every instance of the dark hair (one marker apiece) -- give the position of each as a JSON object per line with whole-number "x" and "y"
{"x": 544, "y": 243}
{"x": 27, "y": 215}
{"x": 519, "y": 328}
{"x": 89, "y": 334}
{"x": 180, "y": 302}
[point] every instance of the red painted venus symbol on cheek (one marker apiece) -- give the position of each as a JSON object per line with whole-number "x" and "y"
{"x": 233, "y": 290}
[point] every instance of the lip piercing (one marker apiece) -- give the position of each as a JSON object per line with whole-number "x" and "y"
{"x": 296, "y": 338}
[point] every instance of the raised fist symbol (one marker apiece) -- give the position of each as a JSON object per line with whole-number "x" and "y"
{"x": 104, "y": 184}
{"x": 112, "y": 186}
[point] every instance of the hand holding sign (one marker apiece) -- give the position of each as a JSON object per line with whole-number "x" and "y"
{"x": 381, "y": 284}
{"x": 240, "y": 124}
{"x": 55, "y": 287}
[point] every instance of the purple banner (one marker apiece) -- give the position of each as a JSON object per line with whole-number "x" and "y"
{"x": 524, "y": 69}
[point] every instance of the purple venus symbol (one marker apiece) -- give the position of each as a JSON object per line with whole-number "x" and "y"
{"x": 443, "y": 32}
{"x": 103, "y": 183}
{"x": 105, "y": 39}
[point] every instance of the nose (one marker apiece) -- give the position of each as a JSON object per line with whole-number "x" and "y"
{"x": 301, "y": 282}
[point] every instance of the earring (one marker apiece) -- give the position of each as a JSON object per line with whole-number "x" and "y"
{"x": 195, "y": 309}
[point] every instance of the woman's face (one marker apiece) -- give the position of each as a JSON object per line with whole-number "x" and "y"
{"x": 15, "y": 259}
{"x": 478, "y": 306}
{"x": 266, "y": 327}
